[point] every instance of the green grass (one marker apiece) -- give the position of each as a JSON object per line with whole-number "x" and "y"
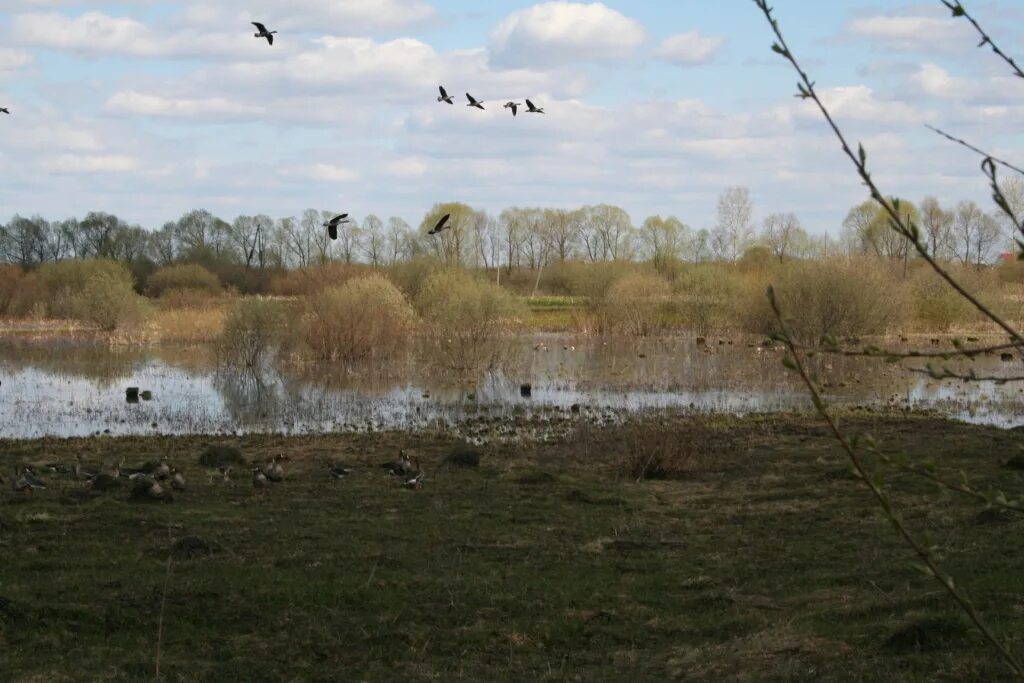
{"x": 763, "y": 560}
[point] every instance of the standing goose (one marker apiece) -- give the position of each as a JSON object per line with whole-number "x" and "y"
{"x": 444, "y": 97}
{"x": 401, "y": 466}
{"x": 27, "y": 481}
{"x": 177, "y": 480}
{"x": 274, "y": 471}
{"x": 84, "y": 473}
{"x": 163, "y": 471}
{"x": 441, "y": 225}
{"x": 514, "y": 106}
{"x": 473, "y": 102}
{"x": 530, "y": 109}
{"x": 263, "y": 32}
{"x": 259, "y": 479}
{"x": 332, "y": 225}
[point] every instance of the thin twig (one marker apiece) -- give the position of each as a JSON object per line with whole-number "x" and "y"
{"x": 976, "y": 150}
{"x": 958, "y": 10}
{"x": 957, "y": 487}
{"x": 919, "y": 548}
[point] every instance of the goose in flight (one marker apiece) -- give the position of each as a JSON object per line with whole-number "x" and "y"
{"x": 263, "y": 32}
{"x": 532, "y": 109}
{"x": 441, "y": 225}
{"x": 5, "y": 110}
{"x": 444, "y": 97}
{"x": 473, "y": 102}
{"x": 514, "y": 106}
{"x": 332, "y": 225}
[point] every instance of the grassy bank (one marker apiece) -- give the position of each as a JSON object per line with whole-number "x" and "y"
{"x": 760, "y": 558}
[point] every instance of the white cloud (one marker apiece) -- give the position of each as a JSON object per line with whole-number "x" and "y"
{"x": 97, "y": 34}
{"x": 913, "y": 33}
{"x": 336, "y": 17}
{"x": 136, "y": 103}
{"x": 12, "y": 60}
{"x": 859, "y": 103}
{"x": 686, "y": 49}
{"x": 564, "y": 32}
{"x": 98, "y": 163}
{"x": 324, "y": 172}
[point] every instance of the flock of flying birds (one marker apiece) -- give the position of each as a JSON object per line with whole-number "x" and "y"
{"x": 342, "y": 219}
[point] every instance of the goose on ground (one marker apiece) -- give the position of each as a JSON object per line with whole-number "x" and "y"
{"x": 444, "y": 97}
{"x": 401, "y": 466}
{"x": 147, "y": 488}
{"x": 339, "y": 472}
{"x": 162, "y": 471}
{"x": 416, "y": 483}
{"x": 473, "y": 102}
{"x": 225, "y": 474}
{"x": 177, "y": 480}
{"x": 27, "y": 482}
{"x": 130, "y": 472}
{"x": 86, "y": 473}
{"x": 441, "y": 224}
{"x": 514, "y": 106}
{"x": 259, "y": 479}
{"x": 530, "y": 109}
{"x": 274, "y": 471}
{"x": 263, "y": 32}
{"x": 332, "y": 225}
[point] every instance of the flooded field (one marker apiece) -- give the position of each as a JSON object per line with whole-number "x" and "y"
{"x": 75, "y": 389}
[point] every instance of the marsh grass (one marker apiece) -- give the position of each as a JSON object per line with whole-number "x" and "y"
{"x": 542, "y": 563}
{"x": 191, "y": 325}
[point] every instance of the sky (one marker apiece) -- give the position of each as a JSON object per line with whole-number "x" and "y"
{"x": 150, "y": 108}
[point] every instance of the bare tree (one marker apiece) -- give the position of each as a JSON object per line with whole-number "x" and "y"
{"x": 783, "y": 235}
{"x": 373, "y": 239}
{"x": 734, "y": 230}
{"x": 937, "y": 224}
{"x": 398, "y": 240}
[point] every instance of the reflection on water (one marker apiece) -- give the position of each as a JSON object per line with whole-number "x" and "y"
{"x": 73, "y": 390}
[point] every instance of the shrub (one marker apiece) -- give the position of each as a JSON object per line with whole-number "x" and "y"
{"x": 251, "y": 329}
{"x": 707, "y": 295}
{"x": 593, "y": 280}
{"x": 366, "y": 318}
{"x": 467, "y": 320}
{"x": 639, "y": 304}
{"x": 651, "y": 451}
{"x": 314, "y": 279}
{"x": 936, "y": 305}
{"x": 410, "y": 276}
{"x": 831, "y": 298}
{"x": 182, "y": 276}
{"x": 97, "y": 292}
{"x": 108, "y": 303}
{"x": 11, "y": 277}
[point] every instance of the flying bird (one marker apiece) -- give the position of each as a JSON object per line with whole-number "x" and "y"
{"x": 532, "y": 109}
{"x": 4, "y": 110}
{"x": 441, "y": 224}
{"x": 332, "y": 225}
{"x": 263, "y": 32}
{"x": 473, "y": 102}
{"x": 445, "y": 97}
{"x": 514, "y": 106}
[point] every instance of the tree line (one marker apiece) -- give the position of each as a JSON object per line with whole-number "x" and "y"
{"x": 528, "y": 238}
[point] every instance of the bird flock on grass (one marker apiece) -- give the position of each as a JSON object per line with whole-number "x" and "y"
{"x": 332, "y": 225}
{"x": 158, "y": 481}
